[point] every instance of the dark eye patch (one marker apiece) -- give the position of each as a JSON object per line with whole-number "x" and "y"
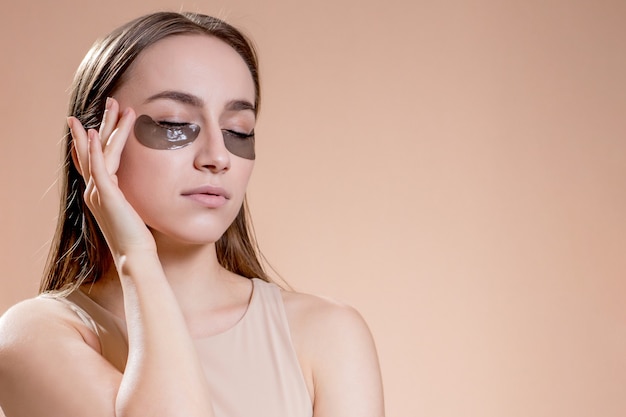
{"x": 166, "y": 135}
{"x": 239, "y": 144}
{"x": 157, "y": 135}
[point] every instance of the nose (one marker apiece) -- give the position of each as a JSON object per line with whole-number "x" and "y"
{"x": 211, "y": 153}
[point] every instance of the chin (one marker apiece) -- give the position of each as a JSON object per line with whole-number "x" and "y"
{"x": 195, "y": 237}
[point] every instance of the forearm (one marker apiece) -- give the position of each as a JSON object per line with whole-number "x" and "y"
{"x": 163, "y": 375}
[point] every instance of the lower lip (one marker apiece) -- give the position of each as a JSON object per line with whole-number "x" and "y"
{"x": 208, "y": 200}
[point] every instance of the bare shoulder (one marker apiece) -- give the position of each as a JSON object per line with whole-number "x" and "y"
{"x": 46, "y": 348}
{"x": 322, "y": 316}
{"x": 337, "y": 354}
{"x": 27, "y": 318}
{"x": 29, "y": 325}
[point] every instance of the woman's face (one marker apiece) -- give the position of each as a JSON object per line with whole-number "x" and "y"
{"x": 193, "y": 193}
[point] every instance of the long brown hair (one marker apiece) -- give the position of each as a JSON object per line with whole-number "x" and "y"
{"x": 79, "y": 252}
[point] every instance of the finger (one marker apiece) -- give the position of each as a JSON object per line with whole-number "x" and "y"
{"x": 117, "y": 140}
{"x": 80, "y": 143}
{"x": 109, "y": 119}
{"x": 100, "y": 176}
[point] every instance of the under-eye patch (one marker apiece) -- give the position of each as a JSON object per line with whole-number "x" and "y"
{"x": 159, "y": 135}
{"x": 240, "y": 144}
{"x": 167, "y": 135}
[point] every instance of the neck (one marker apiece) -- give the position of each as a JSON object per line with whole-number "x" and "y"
{"x": 193, "y": 272}
{"x": 189, "y": 265}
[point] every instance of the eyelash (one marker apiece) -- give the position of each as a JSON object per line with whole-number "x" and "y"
{"x": 240, "y": 135}
{"x": 165, "y": 123}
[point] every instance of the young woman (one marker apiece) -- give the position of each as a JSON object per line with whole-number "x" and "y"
{"x": 155, "y": 302}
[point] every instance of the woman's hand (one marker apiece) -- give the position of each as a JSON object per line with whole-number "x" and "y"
{"x": 97, "y": 154}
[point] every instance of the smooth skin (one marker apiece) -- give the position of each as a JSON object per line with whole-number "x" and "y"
{"x": 166, "y": 284}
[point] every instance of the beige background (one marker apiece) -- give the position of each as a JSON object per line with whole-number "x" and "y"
{"x": 455, "y": 170}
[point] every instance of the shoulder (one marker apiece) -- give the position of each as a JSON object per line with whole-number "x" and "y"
{"x": 337, "y": 352}
{"x": 315, "y": 315}
{"x": 25, "y": 317}
{"x": 324, "y": 329}
{"x": 29, "y": 325}
{"x": 46, "y": 349}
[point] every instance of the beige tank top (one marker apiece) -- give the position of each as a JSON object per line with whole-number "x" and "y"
{"x": 252, "y": 368}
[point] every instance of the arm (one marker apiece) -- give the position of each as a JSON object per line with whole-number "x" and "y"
{"x": 50, "y": 364}
{"x": 48, "y": 368}
{"x": 338, "y": 356}
{"x": 347, "y": 373}
{"x": 163, "y": 376}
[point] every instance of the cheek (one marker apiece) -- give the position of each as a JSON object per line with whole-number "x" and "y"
{"x": 243, "y": 171}
{"x": 141, "y": 172}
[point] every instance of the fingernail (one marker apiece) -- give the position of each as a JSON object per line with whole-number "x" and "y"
{"x": 69, "y": 122}
{"x": 108, "y": 103}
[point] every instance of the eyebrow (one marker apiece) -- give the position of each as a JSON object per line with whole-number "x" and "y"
{"x": 240, "y": 105}
{"x": 179, "y": 96}
{"x": 195, "y": 101}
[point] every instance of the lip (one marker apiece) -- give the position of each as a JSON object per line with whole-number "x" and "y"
{"x": 208, "y": 196}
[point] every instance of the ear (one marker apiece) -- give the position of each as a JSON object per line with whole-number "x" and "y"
{"x": 75, "y": 159}
{"x": 73, "y": 153}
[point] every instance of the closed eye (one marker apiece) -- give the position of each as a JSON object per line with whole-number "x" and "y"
{"x": 165, "y": 123}
{"x": 239, "y": 135}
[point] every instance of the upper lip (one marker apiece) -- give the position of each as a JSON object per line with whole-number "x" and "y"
{"x": 208, "y": 189}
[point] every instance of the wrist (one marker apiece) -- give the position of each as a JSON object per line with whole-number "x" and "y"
{"x": 137, "y": 263}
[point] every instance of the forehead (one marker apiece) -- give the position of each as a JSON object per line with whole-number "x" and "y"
{"x": 200, "y": 64}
